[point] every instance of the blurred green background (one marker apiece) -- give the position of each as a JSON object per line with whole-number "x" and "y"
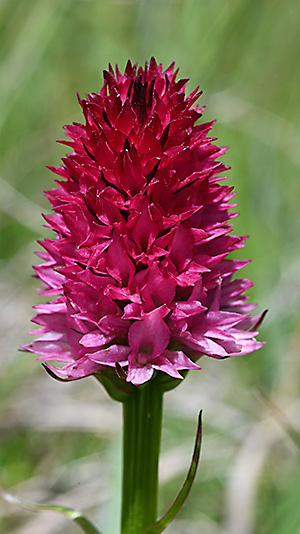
{"x": 61, "y": 443}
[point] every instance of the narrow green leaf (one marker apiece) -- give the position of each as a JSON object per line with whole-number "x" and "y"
{"x": 162, "y": 523}
{"x": 77, "y": 517}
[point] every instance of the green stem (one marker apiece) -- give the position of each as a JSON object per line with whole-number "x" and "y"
{"x": 142, "y": 419}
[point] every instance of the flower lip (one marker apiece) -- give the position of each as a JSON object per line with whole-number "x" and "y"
{"x": 149, "y": 336}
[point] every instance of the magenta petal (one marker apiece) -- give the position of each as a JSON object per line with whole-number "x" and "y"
{"x": 181, "y": 251}
{"x": 111, "y": 355}
{"x": 180, "y": 360}
{"x": 118, "y": 263}
{"x": 150, "y": 335}
{"x": 126, "y": 118}
{"x": 163, "y": 364}
{"x": 49, "y": 275}
{"x": 80, "y": 369}
{"x": 56, "y": 306}
{"x": 50, "y": 350}
{"x": 95, "y": 339}
{"x": 132, "y": 311}
{"x": 113, "y": 324}
{"x": 186, "y": 309}
{"x": 138, "y": 374}
{"x": 206, "y": 346}
{"x": 145, "y": 229}
{"x": 248, "y": 347}
{"x": 53, "y": 322}
{"x": 157, "y": 289}
{"x": 223, "y": 319}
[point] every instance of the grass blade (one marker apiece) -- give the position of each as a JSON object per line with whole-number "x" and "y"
{"x": 177, "y": 504}
{"x": 75, "y": 516}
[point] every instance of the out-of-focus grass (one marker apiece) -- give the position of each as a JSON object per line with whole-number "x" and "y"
{"x": 244, "y": 54}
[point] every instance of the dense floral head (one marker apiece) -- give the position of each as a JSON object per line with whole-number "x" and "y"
{"x": 139, "y": 265}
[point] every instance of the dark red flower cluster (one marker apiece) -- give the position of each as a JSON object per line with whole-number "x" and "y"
{"x": 140, "y": 262}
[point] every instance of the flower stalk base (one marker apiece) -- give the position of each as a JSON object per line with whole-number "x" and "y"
{"x": 142, "y": 420}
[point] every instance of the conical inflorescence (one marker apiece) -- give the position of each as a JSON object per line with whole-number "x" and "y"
{"x": 138, "y": 275}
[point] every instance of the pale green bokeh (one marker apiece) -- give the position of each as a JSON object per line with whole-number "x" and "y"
{"x": 245, "y": 56}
